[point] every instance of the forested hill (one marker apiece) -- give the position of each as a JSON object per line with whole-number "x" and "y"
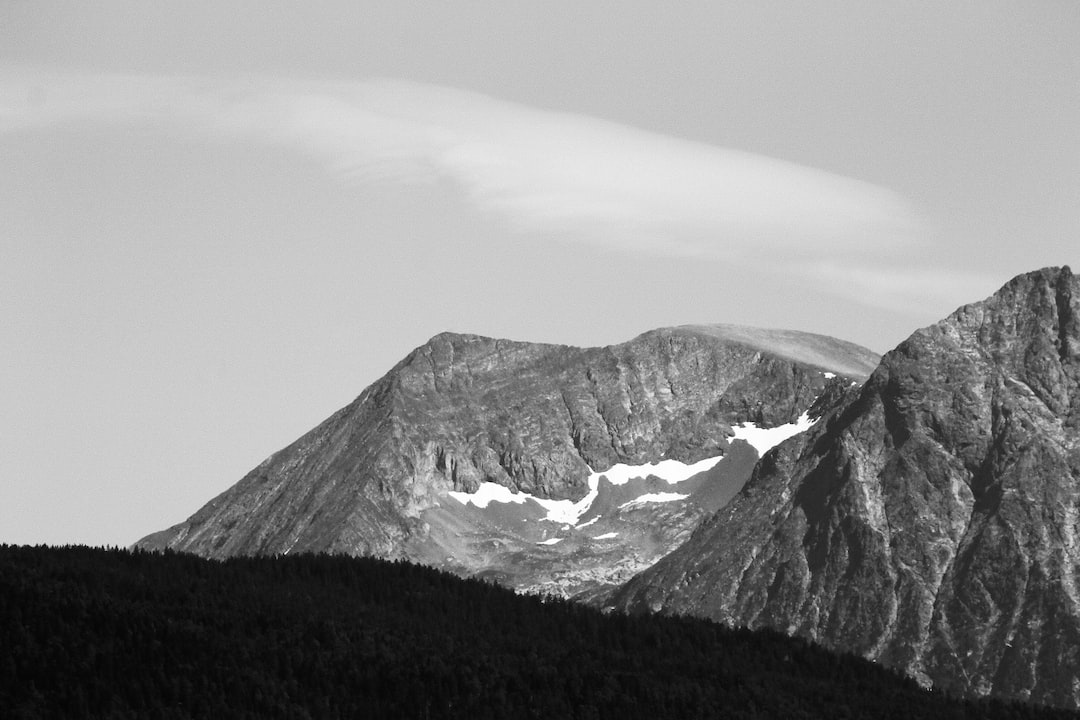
{"x": 111, "y": 633}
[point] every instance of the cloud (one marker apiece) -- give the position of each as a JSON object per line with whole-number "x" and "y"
{"x": 574, "y": 176}
{"x": 568, "y": 176}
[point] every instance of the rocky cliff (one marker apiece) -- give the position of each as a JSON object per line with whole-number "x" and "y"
{"x": 930, "y": 522}
{"x": 462, "y": 412}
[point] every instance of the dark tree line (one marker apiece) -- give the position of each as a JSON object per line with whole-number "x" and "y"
{"x": 90, "y": 633}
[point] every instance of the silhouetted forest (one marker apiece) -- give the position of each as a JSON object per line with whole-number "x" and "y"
{"x": 90, "y": 632}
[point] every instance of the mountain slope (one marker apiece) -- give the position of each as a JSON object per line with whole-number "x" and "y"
{"x": 474, "y": 415}
{"x": 931, "y": 521}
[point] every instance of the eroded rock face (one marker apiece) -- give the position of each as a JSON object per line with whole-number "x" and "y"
{"x": 931, "y": 521}
{"x": 463, "y": 410}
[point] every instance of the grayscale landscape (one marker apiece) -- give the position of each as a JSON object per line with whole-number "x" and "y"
{"x": 538, "y": 360}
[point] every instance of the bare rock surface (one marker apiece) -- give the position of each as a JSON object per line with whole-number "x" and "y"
{"x": 929, "y": 522}
{"x": 462, "y": 411}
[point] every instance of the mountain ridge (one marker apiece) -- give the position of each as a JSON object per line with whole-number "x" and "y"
{"x": 463, "y": 410}
{"x": 798, "y": 346}
{"x": 930, "y": 519}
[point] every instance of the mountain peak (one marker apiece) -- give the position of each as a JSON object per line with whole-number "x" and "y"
{"x": 930, "y": 521}
{"x": 465, "y": 417}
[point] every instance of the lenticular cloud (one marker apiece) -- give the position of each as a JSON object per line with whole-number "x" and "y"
{"x": 571, "y": 176}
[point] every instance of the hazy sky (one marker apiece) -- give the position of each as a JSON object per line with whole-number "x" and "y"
{"x": 220, "y": 221}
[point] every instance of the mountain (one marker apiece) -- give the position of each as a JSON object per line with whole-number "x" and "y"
{"x": 545, "y": 467}
{"x": 95, "y": 633}
{"x": 930, "y": 521}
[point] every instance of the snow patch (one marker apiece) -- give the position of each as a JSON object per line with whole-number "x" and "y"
{"x": 606, "y": 536}
{"x": 568, "y": 512}
{"x": 487, "y": 493}
{"x": 764, "y": 439}
{"x": 829, "y": 375}
{"x": 670, "y": 471}
{"x": 587, "y": 524}
{"x": 550, "y": 541}
{"x": 654, "y": 497}
{"x": 564, "y": 512}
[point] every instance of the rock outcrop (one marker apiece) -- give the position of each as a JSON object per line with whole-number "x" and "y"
{"x": 464, "y": 410}
{"x": 931, "y": 521}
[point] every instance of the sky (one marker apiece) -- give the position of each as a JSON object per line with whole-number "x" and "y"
{"x": 220, "y": 221}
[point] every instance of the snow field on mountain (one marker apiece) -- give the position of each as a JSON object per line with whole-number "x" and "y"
{"x": 764, "y": 439}
{"x": 567, "y": 512}
{"x": 490, "y": 492}
{"x": 653, "y": 497}
{"x": 670, "y": 471}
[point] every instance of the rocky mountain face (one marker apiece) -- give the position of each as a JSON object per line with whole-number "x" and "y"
{"x": 929, "y": 522}
{"x": 479, "y": 454}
